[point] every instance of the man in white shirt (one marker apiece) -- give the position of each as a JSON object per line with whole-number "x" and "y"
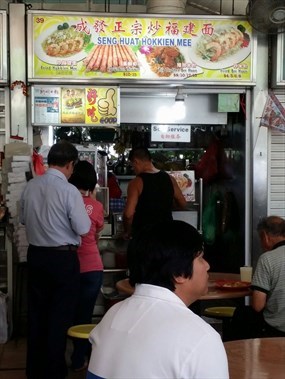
{"x": 153, "y": 334}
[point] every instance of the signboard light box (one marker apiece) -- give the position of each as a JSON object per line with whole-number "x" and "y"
{"x": 170, "y": 133}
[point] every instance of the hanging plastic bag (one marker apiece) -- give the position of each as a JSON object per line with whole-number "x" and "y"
{"x": 210, "y": 219}
{"x": 207, "y": 167}
{"x": 38, "y": 164}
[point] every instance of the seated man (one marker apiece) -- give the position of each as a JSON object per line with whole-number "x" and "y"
{"x": 268, "y": 280}
{"x": 266, "y": 315}
{"x": 153, "y": 333}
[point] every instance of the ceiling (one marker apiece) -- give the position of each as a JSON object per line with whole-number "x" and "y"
{"x": 218, "y": 7}
{"x": 195, "y": 7}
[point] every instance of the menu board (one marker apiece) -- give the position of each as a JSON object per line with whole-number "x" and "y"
{"x": 75, "y": 105}
{"x": 84, "y": 47}
{"x": 3, "y": 47}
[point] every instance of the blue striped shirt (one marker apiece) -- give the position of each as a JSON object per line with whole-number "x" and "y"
{"x": 53, "y": 211}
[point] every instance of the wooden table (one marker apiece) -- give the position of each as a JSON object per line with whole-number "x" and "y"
{"x": 124, "y": 287}
{"x": 259, "y": 358}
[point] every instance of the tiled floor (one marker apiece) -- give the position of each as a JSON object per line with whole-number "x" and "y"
{"x": 13, "y": 356}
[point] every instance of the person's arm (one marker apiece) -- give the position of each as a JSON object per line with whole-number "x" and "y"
{"x": 79, "y": 219}
{"x": 261, "y": 283}
{"x": 258, "y": 300}
{"x": 179, "y": 199}
{"x": 133, "y": 193}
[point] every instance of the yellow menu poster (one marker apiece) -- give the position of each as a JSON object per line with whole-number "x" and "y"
{"x": 73, "y": 106}
{"x": 96, "y": 106}
{"x": 108, "y": 47}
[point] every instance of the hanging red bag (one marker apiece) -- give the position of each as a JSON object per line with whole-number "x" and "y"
{"x": 207, "y": 167}
{"x": 38, "y": 163}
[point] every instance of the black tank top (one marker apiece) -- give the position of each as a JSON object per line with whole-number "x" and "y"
{"x": 155, "y": 202}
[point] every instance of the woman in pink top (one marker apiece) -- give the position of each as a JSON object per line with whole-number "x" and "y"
{"x": 91, "y": 267}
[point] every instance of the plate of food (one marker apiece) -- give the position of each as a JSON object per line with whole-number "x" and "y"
{"x": 61, "y": 42}
{"x": 230, "y": 285}
{"x": 226, "y": 47}
{"x": 160, "y": 61}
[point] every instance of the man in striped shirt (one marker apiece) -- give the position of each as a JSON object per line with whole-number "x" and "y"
{"x": 268, "y": 280}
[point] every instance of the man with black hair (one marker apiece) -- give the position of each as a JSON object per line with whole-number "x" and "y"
{"x": 268, "y": 286}
{"x": 153, "y": 333}
{"x": 151, "y": 195}
{"x": 265, "y": 317}
{"x": 55, "y": 217}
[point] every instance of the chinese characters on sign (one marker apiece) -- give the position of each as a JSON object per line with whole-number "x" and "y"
{"x": 141, "y": 48}
{"x": 46, "y": 105}
{"x": 170, "y": 133}
{"x": 74, "y": 105}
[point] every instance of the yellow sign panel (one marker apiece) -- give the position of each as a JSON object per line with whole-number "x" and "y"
{"x": 149, "y": 48}
{"x": 101, "y": 105}
{"x": 76, "y": 105}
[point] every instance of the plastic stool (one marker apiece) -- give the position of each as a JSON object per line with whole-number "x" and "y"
{"x": 80, "y": 331}
{"x": 221, "y": 313}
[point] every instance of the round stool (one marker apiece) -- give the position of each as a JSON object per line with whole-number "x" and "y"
{"x": 219, "y": 312}
{"x": 80, "y": 331}
{"x": 222, "y": 313}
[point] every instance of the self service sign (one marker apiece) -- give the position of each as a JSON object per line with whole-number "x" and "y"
{"x": 170, "y": 133}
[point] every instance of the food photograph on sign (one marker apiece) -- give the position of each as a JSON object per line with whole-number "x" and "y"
{"x": 111, "y": 59}
{"x": 141, "y": 48}
{"x": 73, "y": 105}
{"x": 61, "y": 41}
{"x": 186, "y": 182}
{"x": 224, "y": 48}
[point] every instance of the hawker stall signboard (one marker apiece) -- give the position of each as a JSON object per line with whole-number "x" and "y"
{"x": 3, "y": 47}
{"x": 84, "y": 47}
{"x": 75, "y": 105}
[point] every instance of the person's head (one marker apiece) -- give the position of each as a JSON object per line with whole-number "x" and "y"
{"x": 84, "y": 176}
{"x": 63, "y": 156}
{"x": 140, "y": 158}
{"x": 170, "y": 255}
{"x": 271, "y": 231}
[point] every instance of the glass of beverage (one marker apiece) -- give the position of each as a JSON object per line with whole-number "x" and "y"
{"x": 246, "y": 274}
